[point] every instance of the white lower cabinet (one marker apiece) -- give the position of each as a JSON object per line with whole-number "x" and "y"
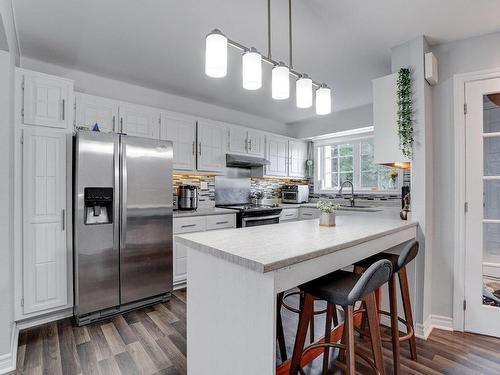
{"x": 307, "y": 213}
{"x": 195, "y": 224}
{"x": 289, "y": 214}
{"x": 44, "y": 260}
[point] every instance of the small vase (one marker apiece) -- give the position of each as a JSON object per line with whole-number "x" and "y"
{"x": 327, "y": 219}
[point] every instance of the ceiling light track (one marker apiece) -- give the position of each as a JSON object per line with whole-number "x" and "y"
{"x": 216, "y": 66}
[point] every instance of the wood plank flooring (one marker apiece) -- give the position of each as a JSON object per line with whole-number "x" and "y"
{"x": 153, "y": 341}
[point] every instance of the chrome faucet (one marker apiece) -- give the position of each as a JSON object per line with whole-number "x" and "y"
{"x": 351, "y": 201}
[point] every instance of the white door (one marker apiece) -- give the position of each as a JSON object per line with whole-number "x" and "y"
{"x": 277, "y": 154}
{"x": 44, "y": 220}
{"x": 140, "y": 121}
{"x": 238, "y": 140}
{"x": 92, "y": 110}
{"x": 255, "y": 143}
{"x": 298, "y": 155}
{"x": 212, "y": 140}
{"x": 46, "y": 101}
{"x": 482, "y": 276}
{"x": 182, "y": 132}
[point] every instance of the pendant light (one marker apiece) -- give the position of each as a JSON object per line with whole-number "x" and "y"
{"x": 216, "y": 54}
{"x": 304, "y": 92}
{"x": 252, "y": 70}
{"x": 280, "y": 82}
{"x": 323, "y": 100}
{"x": 216, "y": 66}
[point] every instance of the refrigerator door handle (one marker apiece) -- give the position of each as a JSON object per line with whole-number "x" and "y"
{"x": 123, "y": 193}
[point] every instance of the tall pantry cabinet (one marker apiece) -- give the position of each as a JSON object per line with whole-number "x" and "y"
{"x": 43, "y": 128}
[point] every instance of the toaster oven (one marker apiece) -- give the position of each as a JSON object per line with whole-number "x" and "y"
{"x": 295, "y": 194}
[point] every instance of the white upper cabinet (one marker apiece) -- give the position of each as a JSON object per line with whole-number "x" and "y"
{"x": 385, "y": 132}
{"x": 238, "y": 140}
{"x": 182, "y": 132}
{"x": 256, "y": 142}
{"x": 140, "y": 121}
{"x": 277, "y": 154}
{"x": 92, "y": 110}
{"x": 47, "y": 100}
{"x": 45, "y": 267}
{"x": 245, "y": 141}
{"x": 297, "y": 159}
{"x": 212, "y": 146}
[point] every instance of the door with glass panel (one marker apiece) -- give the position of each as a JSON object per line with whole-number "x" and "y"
{"x": 482, "y": 264}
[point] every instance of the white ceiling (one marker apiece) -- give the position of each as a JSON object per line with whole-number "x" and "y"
{"x": 160, "y": 43}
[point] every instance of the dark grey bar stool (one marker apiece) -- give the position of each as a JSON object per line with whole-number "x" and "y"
{"x": 399, "y": 263}
{"x": 343, "y": 289}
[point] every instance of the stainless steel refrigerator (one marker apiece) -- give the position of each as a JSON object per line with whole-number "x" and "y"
{"x": 122, "y": 219}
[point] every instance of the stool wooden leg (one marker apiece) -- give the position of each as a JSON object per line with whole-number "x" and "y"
{"x": 349, "y": 340}
{"x": 328, "y": 333}
{"x": 393, "y": 301}
{"x": 335, "y": 317}
{"x": 279, "y": 328}
{"x": 405, "y": 294}
{"x": 373, "y": 325}
{"x": 305, "y": 316}
{"x": 311, "y": 328}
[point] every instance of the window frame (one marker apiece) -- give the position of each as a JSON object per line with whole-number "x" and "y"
{"x": 356, "y": 142}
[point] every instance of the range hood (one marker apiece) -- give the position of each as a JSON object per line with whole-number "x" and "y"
{"x": 245, "y": 161}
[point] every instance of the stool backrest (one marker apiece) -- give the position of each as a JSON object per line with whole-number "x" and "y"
{"x": 407, "y": 255}
{"x": 373, "y": 278}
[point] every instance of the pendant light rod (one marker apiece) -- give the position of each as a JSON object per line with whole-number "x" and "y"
{"x": 290, "y": 30}
{"x": 269, "y": 29}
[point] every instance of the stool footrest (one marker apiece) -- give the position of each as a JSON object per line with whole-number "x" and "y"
{"x": 295, "y": 310}
{"x": 409, "y": 329}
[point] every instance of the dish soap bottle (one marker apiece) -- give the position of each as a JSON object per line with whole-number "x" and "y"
{"x": 405, "y": 213}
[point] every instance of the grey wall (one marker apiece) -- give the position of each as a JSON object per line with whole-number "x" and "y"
{"x": 101, "y": 86}
{"x": 9, "y": 56}
{"x": 464, "y": 56}
{"x": 354, "y": 118}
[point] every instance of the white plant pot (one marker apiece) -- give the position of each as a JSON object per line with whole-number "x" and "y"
{"x": 327, "y": 219}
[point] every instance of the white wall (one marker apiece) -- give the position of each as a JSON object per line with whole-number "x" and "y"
{"x": 98, "y": 85}
{"x": 353, "y": 118}
{"x": 8, "y": 59}
{"x": 464, "y": 56}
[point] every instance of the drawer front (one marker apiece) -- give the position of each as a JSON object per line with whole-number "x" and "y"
{"x": 221, "y": 221}
{"x": 189, "y": 224}
{"x": 289, "y": 214}
{"x": 309, "y": 213}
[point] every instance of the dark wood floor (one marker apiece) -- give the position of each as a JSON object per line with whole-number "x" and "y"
{"x": 153, "y": 341}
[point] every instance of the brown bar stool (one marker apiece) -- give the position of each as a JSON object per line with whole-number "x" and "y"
{"x": 281, "y": 302}
{"x": 344, "y": 289}
{"x": 399, "y": 263}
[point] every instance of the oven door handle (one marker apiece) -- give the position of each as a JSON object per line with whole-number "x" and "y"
{"x": 256, "y": 218}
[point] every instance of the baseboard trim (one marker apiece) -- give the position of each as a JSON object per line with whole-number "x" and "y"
{"x": 8, "y": 361}
{"x": 422, "y": 331}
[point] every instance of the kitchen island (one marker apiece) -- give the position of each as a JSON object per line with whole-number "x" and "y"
{"x": 234, "y": 277}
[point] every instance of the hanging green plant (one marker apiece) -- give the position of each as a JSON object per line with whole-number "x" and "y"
{"x": 405, "y": 112}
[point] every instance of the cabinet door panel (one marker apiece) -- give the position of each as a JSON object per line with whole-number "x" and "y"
{"x": 91, "y": 110}
{"x": 255, "y": 143}
{"x": 44, "y": 232}
{"x": 46, "y": 101}
{"x": 277, "y": 154}
{"x": 140, "y": 121}
{"x": 298, "y": 155}
{"x": 212, "y": 139}
{"x": 182, "y": 133}
{"x": 238, "y": 142}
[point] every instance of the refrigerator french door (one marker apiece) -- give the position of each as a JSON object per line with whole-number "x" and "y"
{"x": 122, "y": 223}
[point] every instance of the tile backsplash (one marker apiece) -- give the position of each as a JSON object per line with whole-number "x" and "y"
{"x": 206, "y": 185}
{"x": 271, "y": 187}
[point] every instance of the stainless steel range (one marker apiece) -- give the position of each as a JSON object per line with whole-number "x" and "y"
{"x": 234, "y": 193}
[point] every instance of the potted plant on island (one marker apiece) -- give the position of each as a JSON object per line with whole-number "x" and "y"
{"x": 328, "y": 209}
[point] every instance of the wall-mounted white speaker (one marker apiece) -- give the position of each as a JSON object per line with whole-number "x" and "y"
{"x": 431, "y": 69}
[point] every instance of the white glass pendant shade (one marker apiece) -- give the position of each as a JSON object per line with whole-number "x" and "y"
{"x": 280, "y": 82}
{"x": 216, "y": 54}
{"x": 304, "y": 92}
{"x": 323, "y": 101}
{"x": 252, "y": 70}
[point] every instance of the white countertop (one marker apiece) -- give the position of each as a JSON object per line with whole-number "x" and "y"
{"x": 204, "y": 212}
{"x": 271, "y": 247}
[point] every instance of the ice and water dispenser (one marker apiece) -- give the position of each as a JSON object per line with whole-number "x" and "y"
{"x": 98, "y": 205}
